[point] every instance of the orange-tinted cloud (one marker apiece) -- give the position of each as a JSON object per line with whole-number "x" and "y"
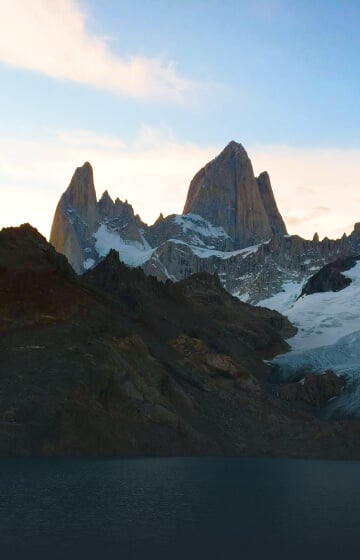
{"x": 52, "y": 37}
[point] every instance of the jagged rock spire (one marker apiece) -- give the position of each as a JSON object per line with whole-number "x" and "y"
{"x": 81, "y": 194}
{"x": 76, "y": 216}
{"x": 226, "y": 193}
{"x": 277, "y": 224}
{"x": 105, "y": 204}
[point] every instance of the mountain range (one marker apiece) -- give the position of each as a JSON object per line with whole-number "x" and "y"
{"x": 230, "y": 226}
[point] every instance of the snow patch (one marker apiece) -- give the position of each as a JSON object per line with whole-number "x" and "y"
{"x": 242, "y": 297}
{"x": 88, "y": 263}
{"x": 194, "y": 223}
{"x": 204, "y": 253}
{"x": 284, "y": 300}
{"x": 132, "y": 253}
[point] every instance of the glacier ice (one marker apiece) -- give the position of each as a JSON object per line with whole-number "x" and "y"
{"x": 328, "y": 337}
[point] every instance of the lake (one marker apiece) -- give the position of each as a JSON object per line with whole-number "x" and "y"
{"x": 179, "y": 508}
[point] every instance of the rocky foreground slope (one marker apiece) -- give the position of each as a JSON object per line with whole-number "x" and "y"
{"x": 117, "y": 363}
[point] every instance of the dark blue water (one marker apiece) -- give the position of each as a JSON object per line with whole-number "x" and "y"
{"x": 179, "y": 508}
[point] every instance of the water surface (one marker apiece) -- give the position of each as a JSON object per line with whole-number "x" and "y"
{"x": 179, "y": 508}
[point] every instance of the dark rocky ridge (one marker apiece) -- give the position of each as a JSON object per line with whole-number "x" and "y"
{"x": 330, "y": 277}
{"x": 116, "y": 363}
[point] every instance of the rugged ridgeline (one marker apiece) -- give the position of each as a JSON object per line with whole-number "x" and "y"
{"x": 78, "y": 217}
{"x": 116, "y": 363}
{"x": 230, "y": 226}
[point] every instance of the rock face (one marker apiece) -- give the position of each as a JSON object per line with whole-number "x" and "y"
{"x": 315, "y": 390}
{"x": 226, "y": 193}
{"x": 277, "y": 224}
{"x": 330, "y": 277}
{"x": 76, "y": 216}
{"x": 120, "y": 217}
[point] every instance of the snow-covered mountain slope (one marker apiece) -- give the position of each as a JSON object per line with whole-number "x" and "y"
{"x": 201, "y": 231}
{"x": 328, "y": 335}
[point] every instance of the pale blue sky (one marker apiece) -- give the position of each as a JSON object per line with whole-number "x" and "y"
{"x": 280, "y": 76}
{"x": 289, "y": 68}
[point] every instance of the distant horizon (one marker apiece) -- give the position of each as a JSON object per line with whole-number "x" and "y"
{"x": 150, "y": 93}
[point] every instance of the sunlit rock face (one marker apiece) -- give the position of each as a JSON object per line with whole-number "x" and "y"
{"x": 276, "y": 222}
{"x": 226, "y": 193}
{"x": 75, "y": 217}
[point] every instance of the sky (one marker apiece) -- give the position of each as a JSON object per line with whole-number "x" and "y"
{"x": 149, "y": 91}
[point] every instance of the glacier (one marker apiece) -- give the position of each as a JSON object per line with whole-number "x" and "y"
{"x": 328, "y": 337}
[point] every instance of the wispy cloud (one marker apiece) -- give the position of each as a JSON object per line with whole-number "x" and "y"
{"x": 310, "y": 216}
{"x": 52, "y": 37}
